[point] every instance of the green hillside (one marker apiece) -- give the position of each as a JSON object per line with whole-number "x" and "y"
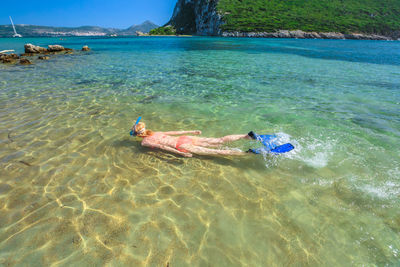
{"x": 366, "y": 16}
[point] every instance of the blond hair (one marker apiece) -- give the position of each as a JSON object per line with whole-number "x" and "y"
{"x": 140, "y": 130}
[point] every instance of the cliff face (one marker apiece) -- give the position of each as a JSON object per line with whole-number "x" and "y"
{"x": 198, "y": 17}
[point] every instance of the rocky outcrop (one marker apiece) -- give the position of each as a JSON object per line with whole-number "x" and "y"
{"x": 56, "y": 48}
{"x": 33, "y": 49}
{"x": 306, "y": 35}
{"x": 196, "y": 17}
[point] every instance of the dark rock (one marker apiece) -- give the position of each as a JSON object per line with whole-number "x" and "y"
{"x": 30, "y": 48}
{"x": 43, "y": 57}
{"x": 14, "y": 56}
{"x": 85, "y": 48}
{"x": 8, "y": 58}
{"x": 27, "y": 55}
{"x": 24, "y": 61}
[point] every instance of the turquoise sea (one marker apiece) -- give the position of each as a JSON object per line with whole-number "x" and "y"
{"x": 77, "y": 190}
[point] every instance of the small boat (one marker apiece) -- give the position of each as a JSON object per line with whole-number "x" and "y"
{"x": 15, "y": 32}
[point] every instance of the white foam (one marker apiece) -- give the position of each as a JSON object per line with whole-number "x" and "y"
{"x": 312, "y": 151}
{"x": 375, "y": 191}
{"x": 320, "y": 160}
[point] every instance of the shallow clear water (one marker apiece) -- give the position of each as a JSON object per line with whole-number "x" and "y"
{"x": 76, "y": 189}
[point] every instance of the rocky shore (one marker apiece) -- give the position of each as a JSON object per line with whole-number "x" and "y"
{"x": 32, "y": 51}
{"x": 307, "y": 35}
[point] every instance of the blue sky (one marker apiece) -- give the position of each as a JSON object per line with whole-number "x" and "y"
{"x": 72, "y": 13}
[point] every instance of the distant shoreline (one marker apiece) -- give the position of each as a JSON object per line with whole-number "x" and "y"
{"x": 175, "y": 35}
{"x": 275, "y": 35}
{"x": 298, "y": 34}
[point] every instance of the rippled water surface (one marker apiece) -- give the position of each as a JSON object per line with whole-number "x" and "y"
{"x": 77, "y": 190}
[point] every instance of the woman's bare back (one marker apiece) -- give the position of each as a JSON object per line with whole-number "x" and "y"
{"x": 186, "y": 145}
{"x": 182, "y": 143}
{"x": 159, "y": 138}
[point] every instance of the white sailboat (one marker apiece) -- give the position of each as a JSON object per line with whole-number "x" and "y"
{"x": 15, "y": 32}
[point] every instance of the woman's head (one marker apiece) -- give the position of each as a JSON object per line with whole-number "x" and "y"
{"x": 140, "y": 130}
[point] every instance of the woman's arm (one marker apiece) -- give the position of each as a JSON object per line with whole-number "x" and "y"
{"x": 182, "y": 132}
{"x": 169, "y": 149}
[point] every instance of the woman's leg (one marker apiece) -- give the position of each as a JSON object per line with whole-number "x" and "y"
{"x": 208, "y": 151}
{"x": 201, "y": 141}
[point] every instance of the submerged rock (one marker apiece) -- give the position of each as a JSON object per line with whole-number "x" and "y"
{"x": 24, "y": 61}
{"x": 85, "y": 48}
{"x": 30, "y": 48}
{"x": 43, "y": 57}
{"x": 28, "y": 54}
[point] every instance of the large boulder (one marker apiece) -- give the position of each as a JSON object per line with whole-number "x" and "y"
{"x": 85, "y": 48}
{"x": 55, "y": 48}
{"x": 30, "y": 48}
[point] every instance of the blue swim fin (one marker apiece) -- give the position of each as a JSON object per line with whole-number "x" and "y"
{"x": 277, "y": 150}
{"x": 283, "y": 148}
{"x": 269, "y": 146}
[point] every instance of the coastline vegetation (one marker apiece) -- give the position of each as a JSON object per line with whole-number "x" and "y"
{"x": 166, "y": 30}
{"x": 345, "y": 16}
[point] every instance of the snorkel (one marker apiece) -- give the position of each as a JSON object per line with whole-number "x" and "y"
{"x": 133, "y": 132}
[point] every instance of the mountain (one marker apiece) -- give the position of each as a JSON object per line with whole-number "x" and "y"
{"x": 145, "y": 27}
{"x": 216, "y": 17}
{"x": 38, "y": 31}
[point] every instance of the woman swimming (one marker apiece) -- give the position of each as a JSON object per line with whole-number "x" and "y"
{"x": 185, "y": 144}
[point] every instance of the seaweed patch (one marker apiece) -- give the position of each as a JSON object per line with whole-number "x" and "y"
{"x": 9, "y": 137}
{"x": 25, "y": 163}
